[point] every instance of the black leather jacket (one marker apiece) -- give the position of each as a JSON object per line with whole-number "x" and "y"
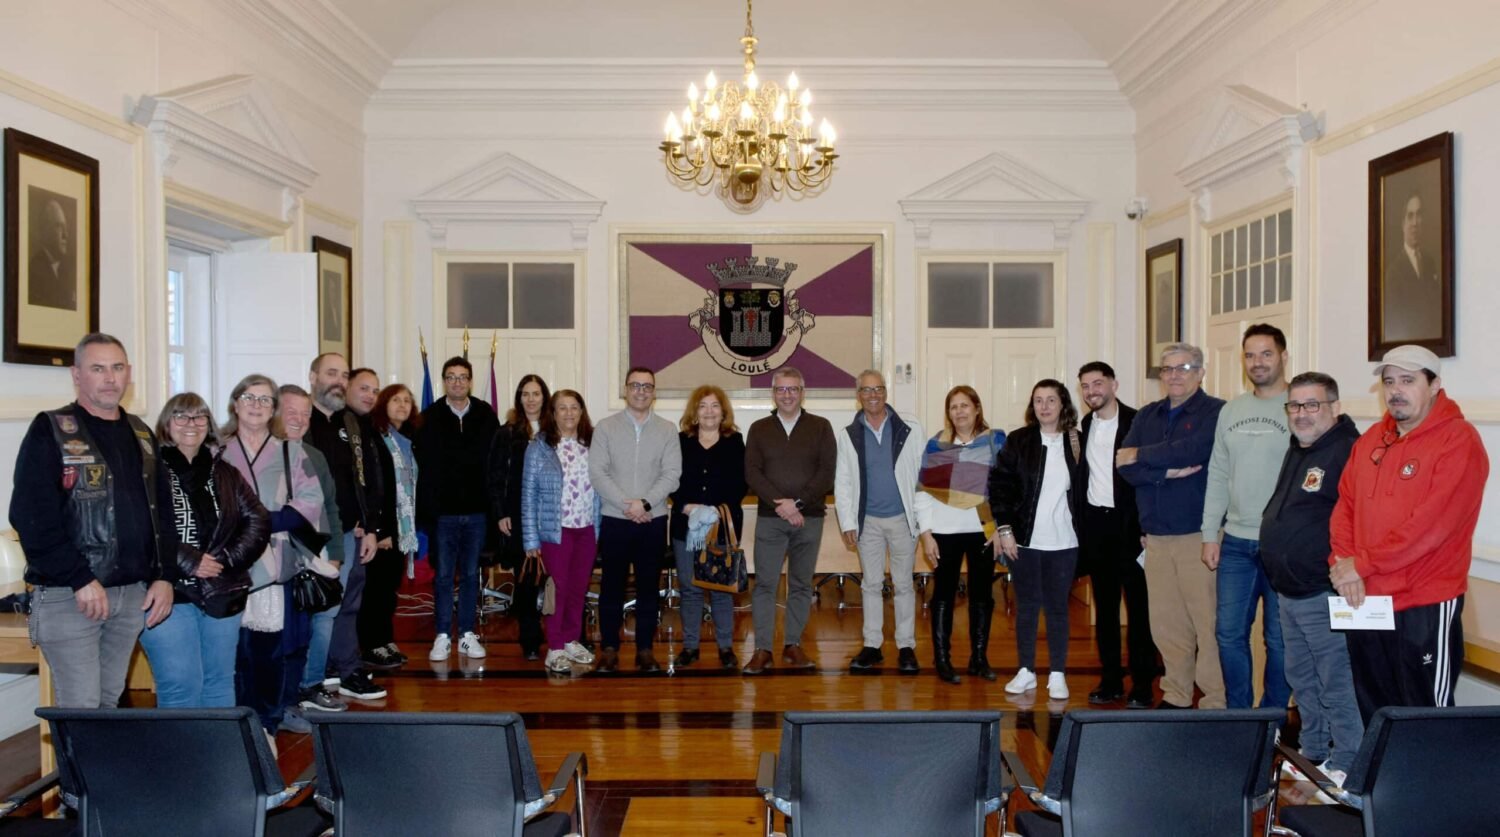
{"x": 1016, "y": 480}
{"x": 503, "y": 483}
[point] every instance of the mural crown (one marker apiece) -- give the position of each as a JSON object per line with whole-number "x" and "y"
{"x": 751, "y": 270}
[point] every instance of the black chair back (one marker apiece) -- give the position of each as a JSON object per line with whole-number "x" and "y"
{"x": 1187, "y": 772}
{"x": 864, "y": 773}
{"x": 166, "y": 771}
{"x": 1424, "y": 770}
{"x": 405, "y": 773}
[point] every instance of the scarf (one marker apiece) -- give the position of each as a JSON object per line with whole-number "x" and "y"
{"x": 958, "y": 475}
{"x": 406, "y": 490}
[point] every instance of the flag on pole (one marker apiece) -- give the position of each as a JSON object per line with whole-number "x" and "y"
{"x": 426, "y": 372}
{"x": 494, "y": 393}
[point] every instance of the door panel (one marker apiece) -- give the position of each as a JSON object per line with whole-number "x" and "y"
{"x": 265, "y": 318}
{"x": 1019, "y": 362}
{"x": 952, "y": 361}
{"x": 554, "y": 358}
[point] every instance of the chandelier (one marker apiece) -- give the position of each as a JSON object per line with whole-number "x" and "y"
{"x": 753, "y": 138}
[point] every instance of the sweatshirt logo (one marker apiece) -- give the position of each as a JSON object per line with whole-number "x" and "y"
{"x": 1312, "y": 481}
{"x": 1409, "y": 469}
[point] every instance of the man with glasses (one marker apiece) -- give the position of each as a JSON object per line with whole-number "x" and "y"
{"x": 453, "y": 448}
{"x": 93, "y": 507}
{"x": 1249, "y": 439}
{"x": 879, "y": 456}
{"x": 635, "y": 461}
{"x": 1163, "y": 456}
{"x": 1404, "y": 527}
{"x": 1294, "y": 550}
{"x": 789, "y": 464}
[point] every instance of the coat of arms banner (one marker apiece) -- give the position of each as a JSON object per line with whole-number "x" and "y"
{"x": 730, "y": 309}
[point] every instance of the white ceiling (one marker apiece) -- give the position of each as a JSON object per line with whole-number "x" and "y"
{"x": 789, "y": 29}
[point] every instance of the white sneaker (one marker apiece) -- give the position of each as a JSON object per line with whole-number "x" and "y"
{"x": 441, "y": 647}
{"x": 1057, "y": 686}
{"x": 578, "y": 654}
{"x": 1337, "y": 777}
{"x": 559, "y": 662}
{"x": 470, "y": 646}
{"x": 1024, "y": 681}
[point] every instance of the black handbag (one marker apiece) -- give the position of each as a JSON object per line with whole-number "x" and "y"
{"x": 311, "y": 592}
{"x": 721, "y": 563}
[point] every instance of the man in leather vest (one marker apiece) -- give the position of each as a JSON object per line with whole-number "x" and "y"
{"x": 94, "y": 512}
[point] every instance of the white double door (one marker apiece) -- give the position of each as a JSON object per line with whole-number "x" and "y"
{"x": 1001, "y": 368}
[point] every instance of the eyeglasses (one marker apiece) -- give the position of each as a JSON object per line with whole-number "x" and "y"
{"x": 248, "y": 398}
{"x": 456, "y": 379}
{"x": 637, "y": 386}
{"x": 1390, "y": 437}
{"x": 1309, "y": 407}
{"x": 184, "y": 419}
{"x": 867, "y": 391}
{"x": 786, "y": 390}
{"x": 1181, "y": 369}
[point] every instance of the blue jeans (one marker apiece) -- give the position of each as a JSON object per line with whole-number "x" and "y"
{"x": 1241, "y": 581}
{"x": 721, "y": 602}
{"x": 192, "y": 658}
{"x": 460, "y": 537}
{"x": 322, "y": 623}
{"x": 1317, "y": 666}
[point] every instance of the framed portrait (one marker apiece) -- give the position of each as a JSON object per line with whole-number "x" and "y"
{"x": 1163, "y": 301}
{"x": 1411, "y": 247}
{"x": 51, "y": 249}
{"x": 729, "y": 309}
{"x": 335, "y": 298}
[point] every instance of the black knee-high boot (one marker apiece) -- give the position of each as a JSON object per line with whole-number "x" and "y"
{"x": 942, "y": 635}
{"x": 979, "y": 639}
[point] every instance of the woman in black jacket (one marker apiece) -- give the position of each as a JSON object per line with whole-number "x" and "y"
{"x": 222, "y": 529}
{"x": 1031, "y": 497}
{"x": 507, "y": 461}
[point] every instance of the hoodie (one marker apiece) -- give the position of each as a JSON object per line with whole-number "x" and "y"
{"x": 1294, "y": 528}
{"x": 1408, "y": 519}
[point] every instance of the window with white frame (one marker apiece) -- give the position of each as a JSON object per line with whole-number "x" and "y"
{"x": 990, "y": 295}
{"x": 1250, "y": 263}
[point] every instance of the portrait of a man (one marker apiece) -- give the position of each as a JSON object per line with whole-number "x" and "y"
{"x": 52, "y": 272}
{"x": 1411, "y": 302}
{"x": 332, "y": 305}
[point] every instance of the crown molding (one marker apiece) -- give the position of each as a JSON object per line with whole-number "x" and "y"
{"x": 1183, "y": 33}
{"x": 507, "y": 189}
{"x": 960, "y": 197}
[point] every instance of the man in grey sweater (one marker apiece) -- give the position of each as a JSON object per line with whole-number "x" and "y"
{"x": 635, "y": 461}
{"x": 1250, "y": 441}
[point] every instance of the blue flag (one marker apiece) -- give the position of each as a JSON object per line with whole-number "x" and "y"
{"x": 426, "y": 383}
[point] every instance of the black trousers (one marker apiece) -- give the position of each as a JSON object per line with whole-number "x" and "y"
{"x": 378, "y": 611}
{"x": 1043, "y": 580}
{"x": 1415, "y": 665}
{"x": 624, "y": 544}
{"x": 952, "y": 549}
{"x": 1105, "y": 549}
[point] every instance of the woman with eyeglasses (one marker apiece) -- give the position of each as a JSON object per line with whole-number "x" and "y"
{"x": 1031, "y": 498}
{"x": 396, "y": 421}
{"x": 222, "y": 529}
{"x": 288, "y": 487}
{"x": 507, "y": 464}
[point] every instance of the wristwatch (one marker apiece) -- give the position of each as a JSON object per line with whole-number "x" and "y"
{"x": 798, "y": 504}
{"x": 646, "y": 504}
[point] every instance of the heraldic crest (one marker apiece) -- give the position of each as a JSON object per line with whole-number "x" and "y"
{"x": 754, "y": 324}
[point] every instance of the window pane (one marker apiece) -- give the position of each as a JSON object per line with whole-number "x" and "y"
{"x": 478, "y": 295}
{"x": 1241, "y": 290}
{"x": 1284, "y": 234}
{"x": 176, "y": 306}
{"x": 1285, "y": 278}
{"x": 176, "y": 373}
{"x": 1023, "y": 296}
{"x": 1216, "y": 263}
{"x": 1218, "y": 294}
{"x": 1241, "y": 242}
{"x": 544, "y": 296}
{"x": 1270, "y": 246}
{"x": 956, "y": 295}
{"x": 1255, "y": 241}
{"x": 1255, "y": 285}
{"x": 1272, "y": 290}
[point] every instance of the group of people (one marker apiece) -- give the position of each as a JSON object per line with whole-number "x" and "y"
{"x": 1199, "y": 512}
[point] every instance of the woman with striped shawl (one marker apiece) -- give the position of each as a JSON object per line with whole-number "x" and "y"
{"x": 953, "y": 514}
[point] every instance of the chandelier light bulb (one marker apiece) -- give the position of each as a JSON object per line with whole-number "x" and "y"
{"x": 692, "y": 93}
{"x": 713, "y": 112}
{"x": 780, "y": 112}
{"x": 687, "y": 121}
{"x": 711, "y": 82}
{"x": 752, "y": 81}
{"x": 806, "y": 98}
{"x": 747, "y": 116}
{"x": 825, "y": 130}
{"x": 791, "y": 82}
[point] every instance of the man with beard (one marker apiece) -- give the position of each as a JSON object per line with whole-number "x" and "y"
{"x": 1249, "y": 440}
{"x": 349, "y": 444}
{"x": 1404, "y": 527}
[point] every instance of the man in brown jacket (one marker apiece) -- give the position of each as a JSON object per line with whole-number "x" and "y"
{"x": 789, "y": 464}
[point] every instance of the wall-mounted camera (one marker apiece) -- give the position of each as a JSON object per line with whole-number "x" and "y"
{"x": 1135, "y": 209}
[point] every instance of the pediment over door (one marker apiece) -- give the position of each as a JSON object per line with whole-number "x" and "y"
{"x": 1247, "y": 134}
{"x": 995, "y": 189}
{"x": 507, "y": 189}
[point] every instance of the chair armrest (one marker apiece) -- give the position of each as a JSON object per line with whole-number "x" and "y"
{"x": 294, "y": 789}
{"x": 1319, "y": 778}
{"x": 575, "y": 764}
{"x": 26, "y": 794}
{"x": 1028, "y": 785}
{"x": 765, "y": 775}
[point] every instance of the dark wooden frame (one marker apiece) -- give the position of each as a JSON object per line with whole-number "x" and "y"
{"x": 1439, "y": 148}
{"x": 1166, "y": 248}
{"x": 322, "y": 246}
{"x": 18, "y": 143}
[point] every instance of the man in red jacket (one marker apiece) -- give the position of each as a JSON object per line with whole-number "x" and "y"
{"x": 1404, "y": 527}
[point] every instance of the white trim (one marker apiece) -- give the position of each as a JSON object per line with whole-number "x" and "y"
{"x": 1249, "y": 133}
{"x": 1184, "y": 32}
{"x": 460, "y": 200}
{"x": 958, "y": 197}
{"x": 1476, "y": 410}
{"x": 54, "y": 102}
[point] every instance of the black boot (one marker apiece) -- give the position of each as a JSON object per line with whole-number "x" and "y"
{"x": 979, "y": 640}
{"x": 942, "y": 635}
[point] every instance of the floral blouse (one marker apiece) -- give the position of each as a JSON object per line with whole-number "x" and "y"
{"x": 578, "y": 490}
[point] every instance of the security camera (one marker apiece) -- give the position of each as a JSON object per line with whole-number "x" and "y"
{"x": 1135, "y": 208}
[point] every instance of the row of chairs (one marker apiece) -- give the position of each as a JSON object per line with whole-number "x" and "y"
{"x": 1170, "y": 772}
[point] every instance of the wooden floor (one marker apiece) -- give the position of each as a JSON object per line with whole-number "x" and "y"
{"x": 676, "y": 752}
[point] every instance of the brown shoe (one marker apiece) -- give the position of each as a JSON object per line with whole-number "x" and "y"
{"x": 609, "y": 660}
{"x": 794, "y": 656}
{"x": 646, "y": 661}
{"x": 758, "y": 663}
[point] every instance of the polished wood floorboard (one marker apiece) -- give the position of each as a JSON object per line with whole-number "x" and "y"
{"x": 676, "y": 752}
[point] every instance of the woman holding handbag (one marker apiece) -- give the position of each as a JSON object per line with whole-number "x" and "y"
{"x": 506, "y": 467}
{"x": 222, "y": 529}
{"x": 560, "y": 515}
{"x": 1031, "y": 497}
{"x": 953, "y": 515}
{"x": 713, "y": 474}
{"x": 287, "y": 486}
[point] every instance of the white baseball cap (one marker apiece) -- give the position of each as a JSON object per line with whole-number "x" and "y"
{"x": 1412, "y": 359}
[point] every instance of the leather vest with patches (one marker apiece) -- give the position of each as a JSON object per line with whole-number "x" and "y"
{"x": 90, "y": 484}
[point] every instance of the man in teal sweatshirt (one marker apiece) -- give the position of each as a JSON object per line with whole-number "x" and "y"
{"x": 1249, "y": 442}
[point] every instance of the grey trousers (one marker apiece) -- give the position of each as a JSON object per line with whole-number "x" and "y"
{"x": 1317, "y": 669}
{"x": 89, "y": 660}
{"x": 776, "y": 539}
{"x": 881, "y": 536}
